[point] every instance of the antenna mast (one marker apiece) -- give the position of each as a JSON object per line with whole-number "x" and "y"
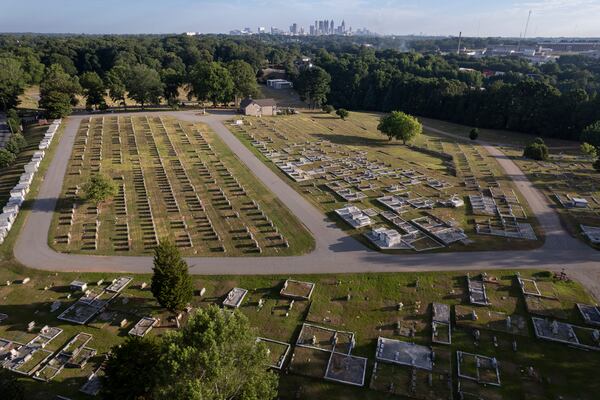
{"x": 459, "y": 42}
{"x": 525, "y": 32}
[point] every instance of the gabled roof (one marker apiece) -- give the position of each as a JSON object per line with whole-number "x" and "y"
{"x": 261, "y": 102}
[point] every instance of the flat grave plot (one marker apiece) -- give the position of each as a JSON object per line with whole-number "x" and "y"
{"x": 174, "y": 180}
{"x": 347, "y": 369}
{"x": 481, "y": 369}
{"x": 414, "y": 382}
{"x": 570, "y": 183}
{"x": 278, "y": 352}
{"x": 424, "y": 187}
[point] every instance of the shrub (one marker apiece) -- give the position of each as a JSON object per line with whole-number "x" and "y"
{"x": 536, "y": 151}
{"x": 474, "y": 134}
{"x": 328, "y": 108}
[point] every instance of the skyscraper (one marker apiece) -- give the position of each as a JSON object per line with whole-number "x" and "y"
{"x": 331, "y": 25}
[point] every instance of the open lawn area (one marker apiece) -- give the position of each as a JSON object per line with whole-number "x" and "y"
{"x": 409, "y": 189}
{"x": 174, "y": 180}
{"x": 394, "y": 306}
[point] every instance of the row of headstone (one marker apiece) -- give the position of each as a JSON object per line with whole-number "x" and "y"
{"x": 18, "y": 193}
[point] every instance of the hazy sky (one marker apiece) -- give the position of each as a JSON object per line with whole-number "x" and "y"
{"x": 433, "y": 17}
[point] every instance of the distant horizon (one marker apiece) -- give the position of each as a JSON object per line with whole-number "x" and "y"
{"x": 435, "y": 18}
{"x": 228, "y": 34}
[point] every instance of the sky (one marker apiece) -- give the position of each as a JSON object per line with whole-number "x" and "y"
{"x": 429, "y": 17}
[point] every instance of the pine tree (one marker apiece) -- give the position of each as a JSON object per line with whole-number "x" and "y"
{"x": 171, "y": 283}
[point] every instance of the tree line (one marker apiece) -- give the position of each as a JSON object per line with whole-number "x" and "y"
{"x": 558, "y": 99}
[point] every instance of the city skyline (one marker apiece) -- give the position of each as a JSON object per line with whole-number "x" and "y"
{"x": 426, "y": 17}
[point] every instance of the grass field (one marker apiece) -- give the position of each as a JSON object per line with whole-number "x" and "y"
{"x": 175, "y": 180}
{"x": 567, "y": 174}
{"x": 371, "y": 312}
{"x": 358, "y": 136}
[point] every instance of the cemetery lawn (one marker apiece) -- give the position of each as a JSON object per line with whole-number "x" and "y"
{"x": 568, "y": 173}
{"x": 175, "y": 180}
{"x": 494, "y": 136}
{"x": 358, "y": 133}
{"x": 371, "y": 311}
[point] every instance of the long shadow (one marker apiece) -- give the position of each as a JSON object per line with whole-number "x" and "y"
{"x": 353, "y": 140}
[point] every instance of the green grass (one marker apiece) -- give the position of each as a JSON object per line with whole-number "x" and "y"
{"x": 371, "y": 312}
{"x": 359, "y": 133}
{"x": 177, "y": 144}
{"x": 495, "y": 136}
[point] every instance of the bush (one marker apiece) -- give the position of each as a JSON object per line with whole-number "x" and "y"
{"x": 596, "y": 165}
{"x": 342, "y": 113}
{"x": 6, "y": 158}
{"x": 591, "y": 134}
{"x": 536, "y": 151}
{"x": 474, "y": 134}
{"x": 328, "y": 108}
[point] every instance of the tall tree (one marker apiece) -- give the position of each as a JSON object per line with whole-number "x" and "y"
{"x": 400, "y": 126}
{"x": 116, "y": 79}
{"x": 313, "y": 85}
{"x": 132, "y": 370}
{"x": 144, "y": 85}
{"x": 10, "y": 387}
{"x": 211, "y": 81}
{"x": 58, "y": 92}
{"x": 171, "y": 283}
{"x": 172, "y": 80}
{"x": 216, "y": 356}
{"x": 93, "y": 89}
{"x": 244, "y": 79}
{"x": 591, "y": 134}
{"x": 12, "y": 82}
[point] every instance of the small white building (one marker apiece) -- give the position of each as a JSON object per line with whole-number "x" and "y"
{"x": 279, "y": 84}
{"x": 78, "y": 286}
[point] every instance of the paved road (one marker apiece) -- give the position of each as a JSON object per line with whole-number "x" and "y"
{"x": 335, "y": 252}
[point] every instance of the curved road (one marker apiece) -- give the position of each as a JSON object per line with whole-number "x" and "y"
{"x": 335, "y": 252}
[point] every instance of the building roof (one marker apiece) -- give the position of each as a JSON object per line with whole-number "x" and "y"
{"x": 261, "y": 102}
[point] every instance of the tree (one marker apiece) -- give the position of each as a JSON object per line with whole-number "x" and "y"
{"x": 99, "y": 189}
{"x": 216, "y": 356}
{"x": 10, "y": 386}
{"x": 13, "y": 120}
{"x": 328, "y": 108}
{"x": 12, "y": 82}
{"x": 596, "y": 165}
{"x": 132, "y": 370}
{"x": 536, "y": 150}
{"x": 58, "y": 92}
{"x": 116, "y": 78}
{"x": 171, "y": 283}
{"x": 474, "y": 134}
{"x": 210, "y": 81}
{"x": 172, "y": 80}
{"x": 244, "y": 79}
{"x": 400, "y": 126}
{"x": 591, "y": 134}
{"x": 342, "y": 113}
{"x": 16, "y": 143}
{"x": 313, "y": 85}
{"x": 93, "y": 89}
{"x": 6, "y": 158}
{"x": 589, "y": 150}
{"x": 144, "y": 85}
